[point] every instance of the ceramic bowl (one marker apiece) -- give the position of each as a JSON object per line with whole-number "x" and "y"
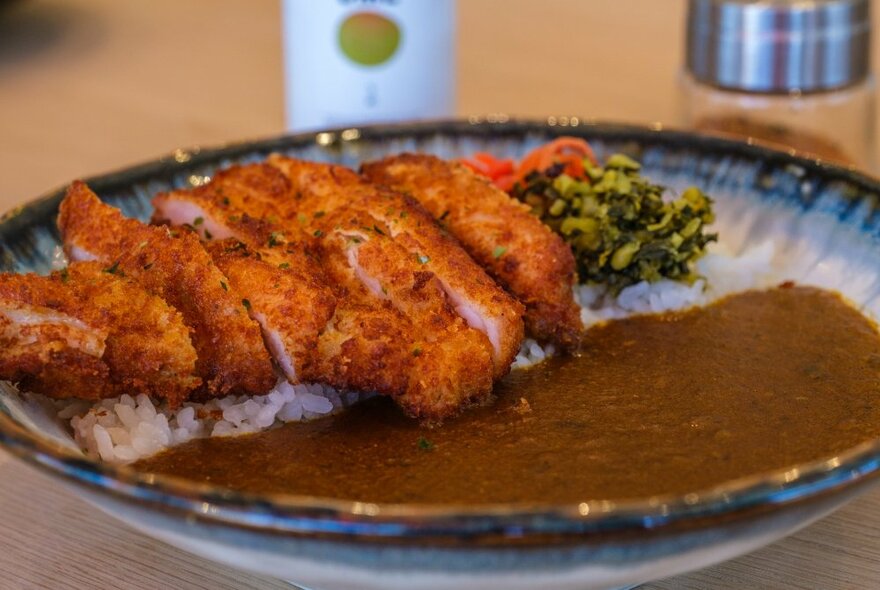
{"x": 824, "y": 225}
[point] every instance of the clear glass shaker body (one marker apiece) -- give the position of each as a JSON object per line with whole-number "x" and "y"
{"x": 835, "y": 125}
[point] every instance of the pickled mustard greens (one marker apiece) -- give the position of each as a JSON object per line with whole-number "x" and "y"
{"x": 618, "y": 224}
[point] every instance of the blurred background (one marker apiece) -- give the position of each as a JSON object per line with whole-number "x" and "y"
{"x": 87, "y": 86}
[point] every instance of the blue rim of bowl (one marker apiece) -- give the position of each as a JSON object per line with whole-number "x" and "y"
{"x": 310, "y": 517}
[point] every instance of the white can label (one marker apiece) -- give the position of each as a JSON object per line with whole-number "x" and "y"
{"x": 359, "y": 61}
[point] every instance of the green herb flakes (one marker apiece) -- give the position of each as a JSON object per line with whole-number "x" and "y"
{"x": 499, "y": 251}
{"x": 224, "y": 285}
{"x": 198, "y": 221}
{"x": 113, "y": 268}
{"x": 424, "y": 444}
{"x": 246, "y": 304}
{"x": 275, "y": 238}
{"x": 284, "y": 265}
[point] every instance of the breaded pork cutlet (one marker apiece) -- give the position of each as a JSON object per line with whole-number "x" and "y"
{"x": 231, "y": 354}
{"x": 473, "y": 294}
{"x": 368, "y": 343}
{"x": 275, "y": 270}
{"x": 519, "y": 251}
{"x": 86, "y": 333}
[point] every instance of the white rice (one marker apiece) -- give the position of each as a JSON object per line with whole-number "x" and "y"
{"x": 125, "y": 429}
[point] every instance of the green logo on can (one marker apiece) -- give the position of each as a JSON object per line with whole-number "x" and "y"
{"x": 368, "y": 38}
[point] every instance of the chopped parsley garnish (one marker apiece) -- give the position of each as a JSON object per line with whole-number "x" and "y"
{"x": 233, "y": 218}
{"x": 65, "y": 275}
{"x": 318, "y": 214}
{"x": 378, "y": 231}
{"x": 424, "y": 444}
{"x": 499, "y": 251}
{"x": 198, "y": 221}
{"x": 225, "y": 200}
{"x": 148, "y": 266}
{"x": 113, "y": 268}
{"x": 246, "y": 303}
{"x": 318, "y": 233}
{"x": 284, "y": 265}
{"x": 444, "y": 215}
{"x": 275, "y": 238}
{"x": 237, "y": 246}
{"x": 403, "y": 214}
{"x": 208, "y": 235}
{"x": 302, "y": 218}
{"x": 417, "y": 351}
{"x": 223, "y": 284}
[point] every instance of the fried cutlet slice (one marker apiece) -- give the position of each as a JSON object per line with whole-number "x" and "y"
{"x": 86, "y": 333}
{"x": 452, "y": 363}
{"x": 231, "y": 354}
{"x": 472, "y": 293}
{"x": 292, "y": 309}
{"x": 519, "y": 251}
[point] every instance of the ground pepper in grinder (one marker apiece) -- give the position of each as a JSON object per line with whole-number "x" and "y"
{"x": 793, "y": 73}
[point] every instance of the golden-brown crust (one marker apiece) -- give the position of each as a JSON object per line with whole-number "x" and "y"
{"x": 231, "y": 355}
{"x": 523, "y": 254}
{"x": 452, "y": 363}
{"x": 473, "y": 293}
{"x": 288, "y": 299}
{"x": 85, "y": 333}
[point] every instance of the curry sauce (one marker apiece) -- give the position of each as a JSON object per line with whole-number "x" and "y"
{"x": 654, "y": 404}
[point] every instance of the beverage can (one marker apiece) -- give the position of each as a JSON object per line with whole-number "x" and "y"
{"x": 362, "y": 61}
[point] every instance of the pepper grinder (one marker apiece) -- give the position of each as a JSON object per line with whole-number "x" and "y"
{"x": 793, "y": 73}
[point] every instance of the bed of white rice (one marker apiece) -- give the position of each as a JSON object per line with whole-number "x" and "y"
{"x": 126, "y": 428}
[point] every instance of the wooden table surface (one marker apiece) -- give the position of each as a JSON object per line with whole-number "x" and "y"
{"x": 89, "y": 86}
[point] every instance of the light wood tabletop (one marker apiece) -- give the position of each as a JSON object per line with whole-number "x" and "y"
{"x": 87, "y": 86}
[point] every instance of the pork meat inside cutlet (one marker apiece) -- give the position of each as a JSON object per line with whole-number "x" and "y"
{"x": 473, "y": 294}
{"x": 500, "y": 233}
{"x": 231, "y": 354}
{"x": 86, "y": 333}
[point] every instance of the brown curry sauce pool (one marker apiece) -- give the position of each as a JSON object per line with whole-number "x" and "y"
{"x": 654, "y": 404}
